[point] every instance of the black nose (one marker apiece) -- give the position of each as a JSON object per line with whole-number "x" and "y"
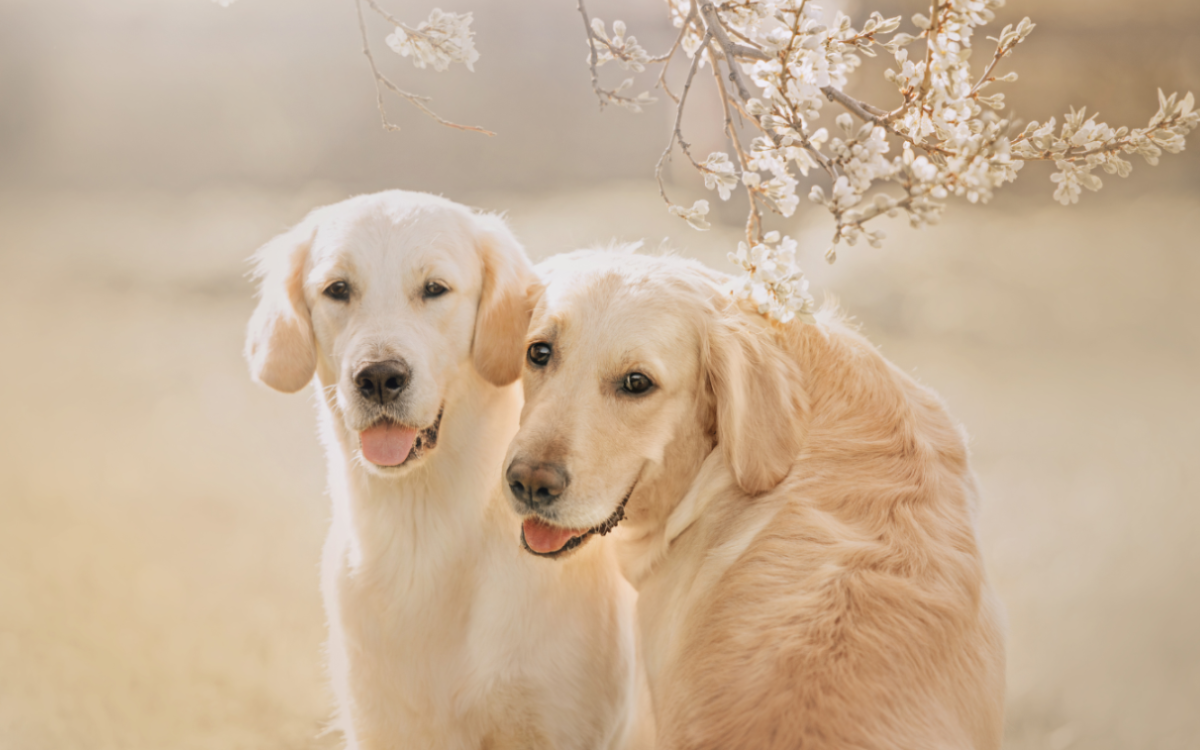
{"x": 536, "y": 484}
{"x": 382, "y": 382}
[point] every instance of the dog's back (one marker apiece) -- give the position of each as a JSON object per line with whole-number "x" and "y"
{"x": 858, "y": 614}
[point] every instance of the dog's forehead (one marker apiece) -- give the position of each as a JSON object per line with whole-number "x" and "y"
{"x": 615, "y": 313}
{"x": 373, "y": 234}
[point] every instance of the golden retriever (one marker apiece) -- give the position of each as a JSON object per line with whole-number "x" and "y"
{"x": 411, "y": 312}
{"x": 796, "y": 513}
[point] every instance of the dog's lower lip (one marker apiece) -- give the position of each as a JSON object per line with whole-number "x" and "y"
{"x": 425, "y": 440}
{"x": 545, "y": 538}
{"x": 575, "y": 541}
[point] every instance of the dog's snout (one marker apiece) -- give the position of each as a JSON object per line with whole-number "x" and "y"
{"x": 383, "y": 382}
{"x": 537, "y": 484}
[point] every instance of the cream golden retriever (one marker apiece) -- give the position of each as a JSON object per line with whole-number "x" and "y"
{"x": 411, "y": 312}
{"x": 796, "y": 513}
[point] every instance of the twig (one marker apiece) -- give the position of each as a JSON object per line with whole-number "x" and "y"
{"x": 867, "y": 113}
{"x": 754, "y": 220}
{"x": 724, "y": 96}
{"x": 1118, "y": 145}
{"x": 431, "y": 41}
{"x": 392, "y": 19}
{"x": 712, "y": 22}
{"x": 675, "y": 132}
{"x": 416, "y": 100}
{"x": 872, "y": 212}
{"x": 592, "y": 58}
{"x": 688, "y": 20}
{"x": 665, "y": 59}
{"x": 857, "y": 108}
{"x": 820, "y": 158}
{"x": 742, "y": 36}
{"x": 929, "y": 35}
{"x": 1001, "y": 53}
{"x": 742, "y": 111}
{"x": 606, "y": 96}
{"x": 728, "y": 46}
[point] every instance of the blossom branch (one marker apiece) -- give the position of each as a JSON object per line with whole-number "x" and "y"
{"x": 857, "y": 108}
{"x": 784, "y": 61}
{"x": 381, "y": 82}
{"x": 666, "y": 58}
{"x": 592, "y": 56}
{"x": 676, "y": 133}
{"x": 390, "y": 18}
{"x": 628, "y": 53}
{"x": 882, "y": 118}
{"x": 716, "y": 30}
{"x": 688, "y": 20}
{"x": 754, "y": 218}
{"x": 444, "y": 46}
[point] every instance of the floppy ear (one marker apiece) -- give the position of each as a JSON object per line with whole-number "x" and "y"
{"x": 279, "y": 340}
{"x": 759, "y": 401}
{"x": 510, "y": 290}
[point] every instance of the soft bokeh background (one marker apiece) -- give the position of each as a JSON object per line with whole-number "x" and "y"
{"x": 161, "y": 518}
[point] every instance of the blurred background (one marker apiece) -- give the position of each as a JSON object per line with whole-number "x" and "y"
{"x": 161, "y": 518}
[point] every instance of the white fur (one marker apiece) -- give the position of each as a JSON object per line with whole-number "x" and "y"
{"x": 443, "y": 633}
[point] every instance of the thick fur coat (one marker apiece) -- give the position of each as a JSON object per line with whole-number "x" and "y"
{"x": 801, "y": 523}
{"x": 442, "y": 632}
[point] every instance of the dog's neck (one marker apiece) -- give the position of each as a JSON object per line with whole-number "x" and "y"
{"x": 435, "y": 511}
{"x": 659, "y": 502}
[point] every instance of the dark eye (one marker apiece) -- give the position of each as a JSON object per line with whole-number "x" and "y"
{"x": 434, "y": 289}
{"x": 338, "y": 290}
{"x": 636, "y": 382}
{"x": 539, "y": 354}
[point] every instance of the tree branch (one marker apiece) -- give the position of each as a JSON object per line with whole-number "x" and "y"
{"x": 712, "y": 22}
{"x": 666, "y": 58}
{"x": 606, "y": 96}
{"x": 867, "y": 113}
{"x": 754, "y": 219}
{"x": 587, "y": 27}
{"x": 857, "y": 108}
{"x": 416, "y": 100}
{"x": 676, "y": 135}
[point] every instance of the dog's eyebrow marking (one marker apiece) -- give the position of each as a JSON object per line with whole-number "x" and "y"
{"x": 544, "y": 333}
{"x": 332, "y": 265}
{"x": 424, "y": 270}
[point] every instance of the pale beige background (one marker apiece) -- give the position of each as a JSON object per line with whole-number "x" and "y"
{"x": 161, "y": 518}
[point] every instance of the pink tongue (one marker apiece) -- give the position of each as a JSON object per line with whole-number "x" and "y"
{"x": 544, "y": 538}
{"x": 387, "y": 444}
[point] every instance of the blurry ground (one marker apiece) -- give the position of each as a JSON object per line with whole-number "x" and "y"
{"x": 162, "y": 517}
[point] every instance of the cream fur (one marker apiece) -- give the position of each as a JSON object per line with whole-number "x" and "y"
{"x": 442, "y": 632}
{"x": 822, "y": 588}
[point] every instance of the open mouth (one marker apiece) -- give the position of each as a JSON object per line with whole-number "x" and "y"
{"x": 547, "y": 540}
{"x": 389, "y": 444}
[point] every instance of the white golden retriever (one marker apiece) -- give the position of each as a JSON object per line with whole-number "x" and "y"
{"x": 795, "y": 512}
{"x": 411, "y": 311}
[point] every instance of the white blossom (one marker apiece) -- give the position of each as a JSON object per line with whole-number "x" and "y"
{"x": 443, "y": 39}
{"x": 696, "y": 215}
{"x": 1071, "y": 178}
{"x": 780, "y": 190}
{"x": 772, "y": 280}
{"x": 624, "y": 49}
{"x": 719, "y": 173}
{"x": 788, "y": 65}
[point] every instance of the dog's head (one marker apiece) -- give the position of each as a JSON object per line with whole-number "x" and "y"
{"x": 390, "y": 299}
{"x": 636, "y": 367}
